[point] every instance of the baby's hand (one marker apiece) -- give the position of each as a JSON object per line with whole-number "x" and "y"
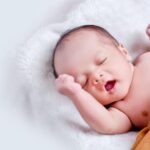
{"x": 66, "y": 85}
{"x": 148, "y": 31}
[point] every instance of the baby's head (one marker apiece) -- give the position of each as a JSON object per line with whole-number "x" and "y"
{"x": 96, "y": 60}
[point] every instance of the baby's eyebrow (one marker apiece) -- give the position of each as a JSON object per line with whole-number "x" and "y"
{"x": 100, "y": 52}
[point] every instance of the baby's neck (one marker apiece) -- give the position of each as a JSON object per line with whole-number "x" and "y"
{"x": 132, "y": 70}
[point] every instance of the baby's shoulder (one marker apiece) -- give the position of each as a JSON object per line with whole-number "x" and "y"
{"x": 143, "y": 58}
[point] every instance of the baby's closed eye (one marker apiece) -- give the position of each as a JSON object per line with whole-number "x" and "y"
{"x": 101, "y": 61}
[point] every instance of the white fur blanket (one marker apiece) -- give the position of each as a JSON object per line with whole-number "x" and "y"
{"x": 126, "y": 20}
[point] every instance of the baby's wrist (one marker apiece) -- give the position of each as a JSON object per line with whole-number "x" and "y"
{"x": 75, "y": 93}
{"x": 79, "y": 95}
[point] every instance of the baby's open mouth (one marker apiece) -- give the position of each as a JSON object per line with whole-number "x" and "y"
{"x": 110, "y": 85}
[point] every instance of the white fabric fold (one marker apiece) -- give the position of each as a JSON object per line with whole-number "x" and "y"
{"x": 126, "y": 20}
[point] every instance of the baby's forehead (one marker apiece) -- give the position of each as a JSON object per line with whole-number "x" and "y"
{"x": 77, "y": 39}
{"x": 82, "y": 32}
{"x": 80, "y": 35}
{"x": 80, "y": 38}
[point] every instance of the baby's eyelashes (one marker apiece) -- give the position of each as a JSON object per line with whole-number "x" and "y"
{"x": 101, "y": 61}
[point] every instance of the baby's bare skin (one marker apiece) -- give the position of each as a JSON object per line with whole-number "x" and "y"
{"x": 148, "y": 30}
{"x": 140, "y": 102}
{"x": 137, "y": 104}
{"x": 133, "y": 109}
{"x": 108, "y": 121}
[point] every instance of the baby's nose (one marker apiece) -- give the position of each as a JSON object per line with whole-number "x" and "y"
{"x": 97, "y": 78}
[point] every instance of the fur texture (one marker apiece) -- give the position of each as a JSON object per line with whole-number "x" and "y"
{"x": 126, "y": 20}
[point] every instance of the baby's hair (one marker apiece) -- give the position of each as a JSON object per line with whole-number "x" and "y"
{"x": 66, "y": 34}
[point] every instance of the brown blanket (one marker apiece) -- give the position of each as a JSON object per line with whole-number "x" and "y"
{"x": 143, "y": 139}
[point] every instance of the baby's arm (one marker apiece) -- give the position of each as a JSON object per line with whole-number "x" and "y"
{"x": 111, "y": 121}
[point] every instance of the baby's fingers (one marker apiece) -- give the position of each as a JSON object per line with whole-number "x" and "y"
{"x": 66, "y": 85}
{"x": 148, "y": 30}
{"x": 63, "y": 81}
{"x": 64, "y": 78}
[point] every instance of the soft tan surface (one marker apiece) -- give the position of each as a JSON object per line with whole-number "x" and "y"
{"x": 143, "y": 139}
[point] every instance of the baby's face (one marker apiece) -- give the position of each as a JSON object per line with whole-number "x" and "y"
{"x": 102, "y": 69}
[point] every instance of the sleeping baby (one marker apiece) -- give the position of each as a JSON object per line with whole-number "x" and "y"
{"x": 96, "y": 72}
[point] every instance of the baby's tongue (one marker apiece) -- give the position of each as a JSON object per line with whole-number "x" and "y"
{"x": 109, "y": 85}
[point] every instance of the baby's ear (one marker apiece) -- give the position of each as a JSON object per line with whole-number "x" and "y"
{"x": 125, "y": 52}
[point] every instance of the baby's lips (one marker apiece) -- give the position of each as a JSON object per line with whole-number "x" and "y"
{"x": 110, "y": 85}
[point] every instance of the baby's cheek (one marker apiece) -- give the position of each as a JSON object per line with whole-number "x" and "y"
{"x": 72, "y": 71}
{"x": 91, "y": 90}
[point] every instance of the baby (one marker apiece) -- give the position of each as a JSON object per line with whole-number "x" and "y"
{"x": 96, "y": 72}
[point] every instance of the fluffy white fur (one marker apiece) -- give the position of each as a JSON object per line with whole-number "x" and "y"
{"x": 126, "y": 20}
